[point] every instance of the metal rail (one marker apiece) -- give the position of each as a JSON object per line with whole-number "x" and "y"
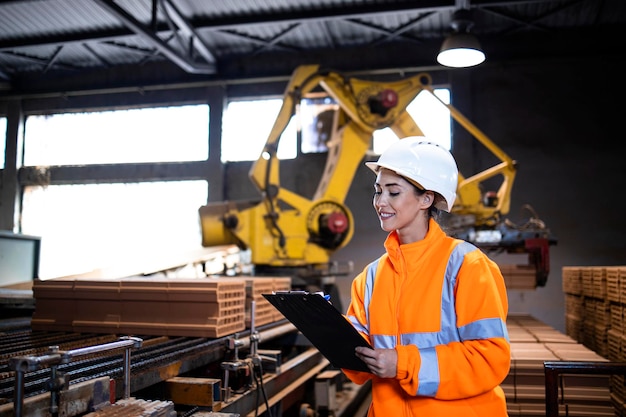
{"x": 553, "y": 369}
{"x": 156, "y": 360}
{"x": 56, "y": 357}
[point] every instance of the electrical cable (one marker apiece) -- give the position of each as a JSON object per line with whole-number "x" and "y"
{"x": 267, "y": 404}
{"x": 532, "y": 223}
{"x": 257, "y": 396}
{"x": 258, "y": 378}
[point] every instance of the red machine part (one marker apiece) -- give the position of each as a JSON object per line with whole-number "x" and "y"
{"x": 336, "y": 222}
{"x": 539, "y": 255}
{"x": 388, "y": 98}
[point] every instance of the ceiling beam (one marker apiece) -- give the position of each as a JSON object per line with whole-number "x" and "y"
{"x": 137, "y": 27}
{"x": 172, "y": 12}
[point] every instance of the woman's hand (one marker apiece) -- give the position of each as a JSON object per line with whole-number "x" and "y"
{"x": 381, "y": 362}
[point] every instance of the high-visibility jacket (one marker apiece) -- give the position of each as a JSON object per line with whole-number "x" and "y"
{"x": 441, "y": 303}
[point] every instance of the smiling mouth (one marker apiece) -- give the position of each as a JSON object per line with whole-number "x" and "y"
{"x": 384, "y": 216}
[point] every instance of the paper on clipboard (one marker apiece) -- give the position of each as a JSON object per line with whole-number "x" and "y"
{"x": 323, "y": 325}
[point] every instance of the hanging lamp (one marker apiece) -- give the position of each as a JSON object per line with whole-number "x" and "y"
{"x": 461, "y": 49}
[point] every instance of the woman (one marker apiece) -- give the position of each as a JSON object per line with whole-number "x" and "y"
{"x": 432, "y": 307}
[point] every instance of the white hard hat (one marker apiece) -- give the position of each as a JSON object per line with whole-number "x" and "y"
{"x": 429, "y": 165}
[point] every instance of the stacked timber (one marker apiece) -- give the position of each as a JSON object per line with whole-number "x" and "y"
{"x": 533, "y": 343}
{"x": 574, "y": 305}
{"x": 595, "y": 300}
{"x": 196, "y": 307}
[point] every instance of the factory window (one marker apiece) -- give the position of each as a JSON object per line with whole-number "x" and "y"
{"x": 319, "y": 116}
{"x": 246, "y": 126}
{"x": 115, "y": 228}
{"x": 86, "y": 227}
{"x": 244, "y": 141}
{"x": 3, "y": 132}
{"x": 432, "y": 117}
{"x": 163, "y": 134}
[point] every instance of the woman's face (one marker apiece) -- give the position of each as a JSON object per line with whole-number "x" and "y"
{"x": 397, "y": 203}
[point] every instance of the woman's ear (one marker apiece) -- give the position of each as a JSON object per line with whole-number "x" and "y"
{"x": 428, "y": 198}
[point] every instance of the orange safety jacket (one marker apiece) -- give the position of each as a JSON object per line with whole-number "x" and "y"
{"x": 441, "y": 303}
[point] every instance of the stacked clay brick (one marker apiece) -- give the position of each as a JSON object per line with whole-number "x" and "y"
{"x": 595, "y": 300}
{"x": 129, "y": 407}
{"x": 203, "y": 307}
{"x": 519, "y": 277}
{"x": 264, "y": 311}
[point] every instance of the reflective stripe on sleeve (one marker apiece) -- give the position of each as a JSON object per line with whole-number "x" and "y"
{"x": 484, "y": 329}
{"x": 429, "y": 373}
{"x": 383, "y": 341}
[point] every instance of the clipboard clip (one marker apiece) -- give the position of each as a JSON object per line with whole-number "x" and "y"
{"x": 326, "y": 296}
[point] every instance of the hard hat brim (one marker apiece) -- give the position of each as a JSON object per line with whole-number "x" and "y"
{"x": 375, "y": 167}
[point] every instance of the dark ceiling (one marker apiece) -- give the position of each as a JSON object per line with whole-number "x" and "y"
{"x": 57, "y": 45}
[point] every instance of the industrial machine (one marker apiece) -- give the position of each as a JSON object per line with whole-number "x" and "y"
{"x": 285, "y": 230}
{"x": 285, "y": 233}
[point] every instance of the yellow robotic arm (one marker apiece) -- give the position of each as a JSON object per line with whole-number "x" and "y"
{"x": 285, "y": 229}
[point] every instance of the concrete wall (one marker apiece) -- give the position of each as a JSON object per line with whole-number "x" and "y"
{"x": 560, "y": 122}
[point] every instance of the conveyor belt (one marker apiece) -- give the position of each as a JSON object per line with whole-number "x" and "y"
{"x": 158, "y": 359}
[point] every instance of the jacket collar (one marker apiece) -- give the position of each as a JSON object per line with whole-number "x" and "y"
{"x": 397, "y": 250}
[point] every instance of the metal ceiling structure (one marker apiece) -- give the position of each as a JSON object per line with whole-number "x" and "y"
{"x": 57, "y": 45}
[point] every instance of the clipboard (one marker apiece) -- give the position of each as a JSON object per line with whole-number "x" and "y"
{"x": 323, "y": 325}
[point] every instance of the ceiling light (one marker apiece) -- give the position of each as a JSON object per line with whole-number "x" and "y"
{"x": 461, "y": 49}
